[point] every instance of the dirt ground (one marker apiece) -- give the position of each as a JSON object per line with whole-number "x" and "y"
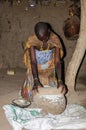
{"x": 16, "y": 24}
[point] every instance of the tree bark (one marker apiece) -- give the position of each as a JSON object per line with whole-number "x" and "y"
{"x": 79, "y": 52}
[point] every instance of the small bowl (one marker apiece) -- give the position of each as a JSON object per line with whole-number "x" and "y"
{"x": 21, "y": 102}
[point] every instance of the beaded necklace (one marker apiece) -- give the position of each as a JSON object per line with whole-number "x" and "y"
{"x": 41, "y": 49}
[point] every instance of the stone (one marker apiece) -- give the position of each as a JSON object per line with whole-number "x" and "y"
{"x": 50, "y": 100}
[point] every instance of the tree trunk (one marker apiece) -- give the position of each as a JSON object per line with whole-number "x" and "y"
{"x": 79, "y": 52}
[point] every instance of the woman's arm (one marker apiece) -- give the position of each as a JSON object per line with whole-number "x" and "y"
{"x": 58, "y": 71}
{"x": 34, "y": 68}
{"x": 57, "y": 62}
{"x": 33, "y": 62}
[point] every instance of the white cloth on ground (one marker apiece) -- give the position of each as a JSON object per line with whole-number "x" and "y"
{"x": 73, "y": 117}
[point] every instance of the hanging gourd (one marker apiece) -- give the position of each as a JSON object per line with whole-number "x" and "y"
{"x": 72, "y": 24}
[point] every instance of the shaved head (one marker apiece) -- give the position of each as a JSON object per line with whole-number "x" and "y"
{"x": 42, "y": 29}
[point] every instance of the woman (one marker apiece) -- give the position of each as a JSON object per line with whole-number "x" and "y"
{"x": 42, "y": 57}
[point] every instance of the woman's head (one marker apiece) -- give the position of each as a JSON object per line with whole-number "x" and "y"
{"x": 42, "y": 31}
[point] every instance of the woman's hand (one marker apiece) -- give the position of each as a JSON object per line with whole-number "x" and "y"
{"x": 62, "y": 88}
{"x": 24, "y": 92}
{"x": 37, "y": 84}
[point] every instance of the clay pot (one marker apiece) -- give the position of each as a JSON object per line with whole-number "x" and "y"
{"x": 50, "y": 100}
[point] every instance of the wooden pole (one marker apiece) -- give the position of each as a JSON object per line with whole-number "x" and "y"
{"x": 79, "y": 52}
